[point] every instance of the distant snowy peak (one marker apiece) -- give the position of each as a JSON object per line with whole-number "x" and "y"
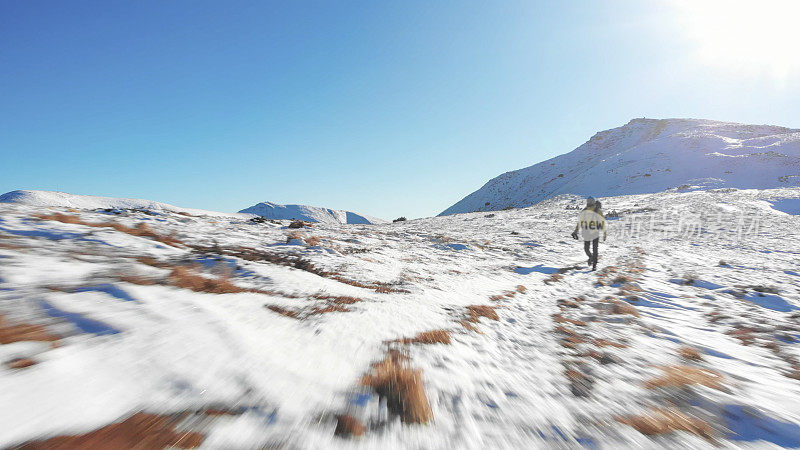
{"x": 309, "y": 213}
{"x": 652, "y": 155}
{"x": 65, "y": 200}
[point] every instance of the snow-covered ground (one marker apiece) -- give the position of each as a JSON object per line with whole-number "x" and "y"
{"x": 652, "y": 155}
{"x": 573, "y": 358}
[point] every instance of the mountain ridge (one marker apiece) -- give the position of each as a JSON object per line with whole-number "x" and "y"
{"x": 651, "y": 155}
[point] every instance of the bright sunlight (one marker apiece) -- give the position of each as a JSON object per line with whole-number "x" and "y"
{"x": 753, "y": 38}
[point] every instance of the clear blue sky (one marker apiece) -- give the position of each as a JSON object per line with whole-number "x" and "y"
{"x": 387, "y": 108}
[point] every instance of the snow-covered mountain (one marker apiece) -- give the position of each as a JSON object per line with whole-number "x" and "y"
{"x": 265, "y": 209}
{"x": 650, "y": 155}
{"x": 65, "y": 200}
{"x": 310, "y": 213}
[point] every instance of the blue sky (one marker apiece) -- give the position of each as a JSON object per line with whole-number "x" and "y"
{"x": 384, "y": 108}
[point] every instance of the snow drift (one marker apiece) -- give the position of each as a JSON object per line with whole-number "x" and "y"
{"x": 648, "y": 156}
{"x": 309, "y": 213}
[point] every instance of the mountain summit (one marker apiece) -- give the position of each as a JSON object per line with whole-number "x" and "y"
{"x": 309, "y": 213}
{"x": 652, "y": 155}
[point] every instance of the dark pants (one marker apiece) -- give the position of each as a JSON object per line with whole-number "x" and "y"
{"x": 593, "y": 254}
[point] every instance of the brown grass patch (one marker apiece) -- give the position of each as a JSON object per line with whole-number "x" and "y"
{"x": 313, "y": 241}
{"x": 558, "y": 318}
{"x": 337, "y": 299}
{"x": 475, "y": 312}
{"x": 496, "y": 298}
{"x": 521, "y": 289}
{"x": 564, "y": 330}
{"x": 152, "y": 262}
{"x": 294, "y": 235}
{"x": 347, "y": 426}
{"x": 185, "y": 278}
{"x": 622, "y": 279}
{"x": 140, "y": 229}
{"x": 428, "y": 337}
{"x": 381, "y": 288}
{"x": 574, "y": 340}
{"x": 251, "y": 254}
{"x": 567, "y": 303}
{"x": 553, "y": 278}
{"x": 402, "y": 387}
{"x": 690, "y": 353}
{"x": 222, "y": 411}
{"x": 327, "y": 309}
{"x": 744, "y": 335}
{"x": 140, "y": 430}
{"x": 20, "y": 363}
{"x": 282, "y": 311}
{"x": 300, "y": 224}
{"x": 681, "y": 376}
{"x": 23, "y": 332}
{"x": 662, "y": 421}
{"x": 623, "y": 308}
{"x": 469, "y": 326}
{"x": 607, "y": 343}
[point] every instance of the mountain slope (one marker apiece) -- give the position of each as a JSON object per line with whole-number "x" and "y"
{"x": 309, "y": 213}
{"x": 650, "y": 155}
{"x": 65, "y": 200}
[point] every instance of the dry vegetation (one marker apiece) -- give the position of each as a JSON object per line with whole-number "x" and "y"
{"x": 558, "y": 318}
{"x": 553, "y": 278}
{"x": 689, "y": 353}
{"x": 300, "y": 224}
{"x": 607, "y": 343}
{"x": 10, "y": 332}
{"x": 427, "y": 337}
{"x": 382, "y": 288}
{"x": 294, "y": 235}
{"x": 401, "y": 386}
{"x": 680, "y": 376}
{"x": 475, "y": 312}
{"x": 251, "y": 254}
{"x": 349, "y": 426}
{"x": 332, "y": 304}
{"x": 663, "y": 421}
{"x": 313, "y": 241}
{"x": 283, "y": 311}
{"x": 20, "y": 363}
{"x": 140, "y": 229}
{"x": 141, "y": 430}
{"x": 185, "y": 278}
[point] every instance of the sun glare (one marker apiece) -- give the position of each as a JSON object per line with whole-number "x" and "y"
{"x": 753, "y": 38}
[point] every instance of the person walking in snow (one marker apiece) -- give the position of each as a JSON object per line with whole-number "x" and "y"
{"x": 590, "y": 223}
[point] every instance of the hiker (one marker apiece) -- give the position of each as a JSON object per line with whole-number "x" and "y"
{"x": 591, "y": 222}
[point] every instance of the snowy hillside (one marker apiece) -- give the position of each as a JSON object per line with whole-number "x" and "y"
{"x": 65, "y": 200}
{"x": 309, "y": 213}
{"x": 648, "y": 155}
{"x": 470, "y": 331}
